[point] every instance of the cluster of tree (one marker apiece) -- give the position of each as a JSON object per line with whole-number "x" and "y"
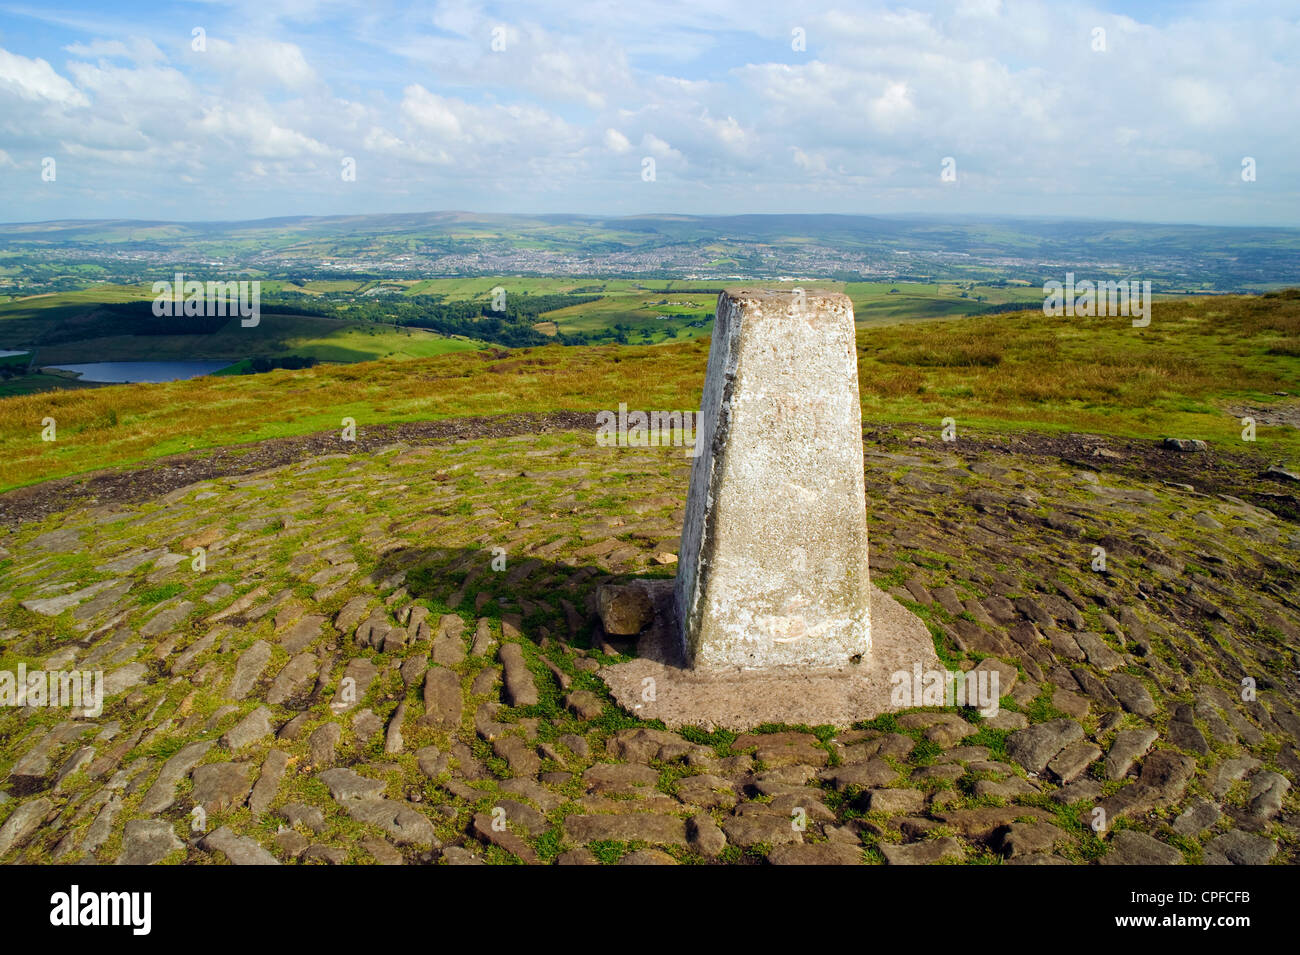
{"x": 137, "y": 318}
{"x": 1007, "y": 307}
{"x": 262, "y": 364}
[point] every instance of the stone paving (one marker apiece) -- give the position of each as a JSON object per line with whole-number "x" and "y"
{"x": 389, "y": 657}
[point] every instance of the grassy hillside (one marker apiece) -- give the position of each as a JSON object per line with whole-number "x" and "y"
{"x": 325, "y": 339}
{"x": 70, "y": 327}
{"x": 1186, "y": 374}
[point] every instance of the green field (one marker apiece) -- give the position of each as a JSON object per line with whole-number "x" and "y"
{"x": 664, "y": 311}
{"x": 878, "y": 302}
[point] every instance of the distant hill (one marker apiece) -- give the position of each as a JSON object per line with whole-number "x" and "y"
{"x": 55, "y": 256}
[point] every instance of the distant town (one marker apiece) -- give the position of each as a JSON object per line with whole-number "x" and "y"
{"x": 50, "y": 257}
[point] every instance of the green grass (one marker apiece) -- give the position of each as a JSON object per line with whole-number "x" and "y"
{"x": 34, "y": 383}
{"x": 1097, "y": 375}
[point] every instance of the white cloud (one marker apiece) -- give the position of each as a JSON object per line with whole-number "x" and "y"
{"x": 616, "y": 141}
{"x": 433, "y": 113}
{"x": 1198, "y": 102}
{"x": 259, "y": 62}
{"x": 137, "y": 49}
{"x": 257, "y": 132}
{"x": 108, "y": 48}
{"x": 654, "y": 146}
{"x": 727, "y": 132}
{"x": 35, "y": 80}
{"x": 813, "y": 163}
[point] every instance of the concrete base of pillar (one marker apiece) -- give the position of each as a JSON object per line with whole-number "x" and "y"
{"x": 743, "y": 699}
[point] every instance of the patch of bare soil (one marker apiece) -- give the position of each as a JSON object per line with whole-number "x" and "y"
{"x": 1278, "y": 413}
{"x": 1238, "y": 473}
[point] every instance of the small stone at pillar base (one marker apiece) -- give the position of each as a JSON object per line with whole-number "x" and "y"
{"x": 743, "y": 699}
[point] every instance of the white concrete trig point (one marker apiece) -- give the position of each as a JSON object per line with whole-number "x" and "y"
{"x": 772, "y": 617}
{"x": 773, "y": 562}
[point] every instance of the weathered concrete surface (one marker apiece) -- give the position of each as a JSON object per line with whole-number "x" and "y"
{"x": 773, "y": 558}
{"x": 740, "y": 699}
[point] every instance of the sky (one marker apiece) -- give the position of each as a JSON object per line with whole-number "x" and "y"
{"x": 243, "y": 109}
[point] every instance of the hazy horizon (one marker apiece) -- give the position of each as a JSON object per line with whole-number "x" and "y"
{"x": 668, "y": 214}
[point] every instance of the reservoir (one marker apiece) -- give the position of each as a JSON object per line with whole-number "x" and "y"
{"x": 123, "y": 372}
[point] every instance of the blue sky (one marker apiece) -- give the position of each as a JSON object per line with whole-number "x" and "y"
{"x": 565, "y": 111}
